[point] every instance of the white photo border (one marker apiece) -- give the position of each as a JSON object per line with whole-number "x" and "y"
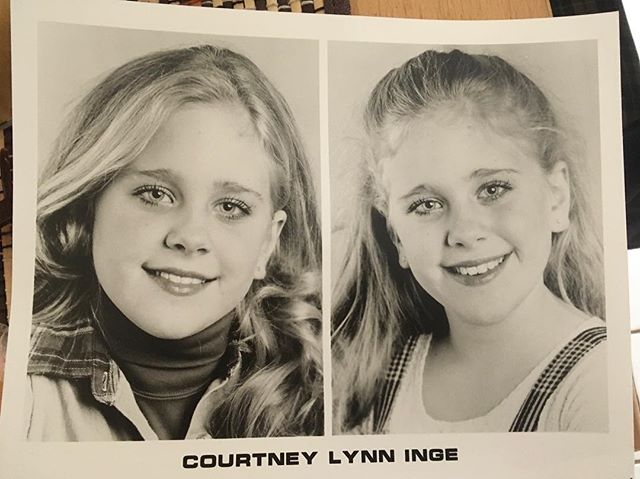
{"x": 495, "y": 455}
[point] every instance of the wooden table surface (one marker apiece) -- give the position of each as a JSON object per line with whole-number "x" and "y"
{"x": 453, "y": 9}
{"x": 442, "y": 9}
{"x": 5, "y": 63}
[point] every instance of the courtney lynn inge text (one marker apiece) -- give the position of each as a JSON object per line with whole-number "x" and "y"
{"x": 308, "y": 458}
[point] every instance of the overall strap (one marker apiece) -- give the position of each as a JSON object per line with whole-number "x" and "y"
{"x": 529, "y": 414}
{"x": 397, "y": 368}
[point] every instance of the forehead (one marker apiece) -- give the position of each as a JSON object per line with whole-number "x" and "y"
{"x": 442, "y": 146}
{"x": 204, "y": 142}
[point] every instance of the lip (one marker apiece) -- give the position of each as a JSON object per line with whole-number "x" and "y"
{"x": 477, "y": 279}
{"x": 178, "y": 282}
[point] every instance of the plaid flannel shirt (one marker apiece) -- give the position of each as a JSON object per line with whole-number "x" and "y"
{"x": 78, "y": 392}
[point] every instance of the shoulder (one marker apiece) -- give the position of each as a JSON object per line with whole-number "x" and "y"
{"x": 580, "y": 402}
{"x": 66, "y": 350}
{"x": 416, "y": 351}
{"x": 401, "y": 379}
{"x": 60, "y": 409}
{"x": 52, "y": 404}
{"x": 407, "y": 355}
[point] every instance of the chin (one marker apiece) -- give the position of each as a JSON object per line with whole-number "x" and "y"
{"x": 480, "y": 317}
{"x": 174, "y": 330}
{"x": 170, "y": 334}
{"x": 487, "y": 321}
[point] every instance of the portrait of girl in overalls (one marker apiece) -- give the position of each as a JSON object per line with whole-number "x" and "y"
{"x": 177, "y": 266}
{"x": 471, "y": 296}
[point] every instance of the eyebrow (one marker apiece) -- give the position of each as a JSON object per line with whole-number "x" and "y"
{"x": 484, "y": 172}
{"x": 163, "y": 174}
{"x": 479, "y": 173}
{"x": 235, "y": 187}
{"x": 169, "y": 176}
{"x": 414, "y": 191}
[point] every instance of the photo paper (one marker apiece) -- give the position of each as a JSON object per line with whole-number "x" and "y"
{"x": 271, "y": 245}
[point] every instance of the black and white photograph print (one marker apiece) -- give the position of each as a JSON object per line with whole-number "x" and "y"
{"x": 177, "y": 279}
{"x": 467, "y": 239}
{"x": 257, "y": 244}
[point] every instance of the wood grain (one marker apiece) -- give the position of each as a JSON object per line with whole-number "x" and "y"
{"x": 5, "y": 62}
{"x": 453, "y": 9}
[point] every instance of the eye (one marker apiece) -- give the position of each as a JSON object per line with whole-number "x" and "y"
{"x": 155, "y": 195}
{"x": 425, "y": 206}
{"x": 494, "y": 190}
{"x": 233, "y": 208}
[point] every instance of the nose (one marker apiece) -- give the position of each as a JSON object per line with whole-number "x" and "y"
{"x": 466, "y": 228}
{"x": 188, "y": 233}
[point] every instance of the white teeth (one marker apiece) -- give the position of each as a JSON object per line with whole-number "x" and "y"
{"x": 478, "y": 269}
{"x": 174, "y": 278}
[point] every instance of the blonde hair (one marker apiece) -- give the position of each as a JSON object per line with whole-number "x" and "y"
{"x": 379, "y": 304}
{"x": 280, "y": 386}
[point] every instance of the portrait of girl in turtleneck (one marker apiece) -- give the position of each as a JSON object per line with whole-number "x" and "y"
{"x": 177, "y": 260}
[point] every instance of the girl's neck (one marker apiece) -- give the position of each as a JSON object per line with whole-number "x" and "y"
{"x": 167, "y": 376}
{"x": 145, "y": 358}
{"x": 533, "y": 328}
{"x": 480, "y": 357}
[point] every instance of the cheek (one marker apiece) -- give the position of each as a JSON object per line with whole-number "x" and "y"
{"x": 526, "y": 228}
{"x": 241, "y": 249}
{"x": 524, "y": 220}
{"x": 421, "y": 242}
{"x": 119, "y": 232}
{"x": 108, "y": 233}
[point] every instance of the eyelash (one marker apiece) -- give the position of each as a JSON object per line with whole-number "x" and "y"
{"x": 245, "y": 209}
{"x": 415, "y": 205}
{"x": 502, "y": 186}
{"x": 144, "y": 192}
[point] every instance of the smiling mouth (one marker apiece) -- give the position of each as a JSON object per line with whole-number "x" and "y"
{"x": 179, "y": 282}
{"x": 177, "y": 279}
{"x": 474, "y": 273}
{"x": 479, "y": 269}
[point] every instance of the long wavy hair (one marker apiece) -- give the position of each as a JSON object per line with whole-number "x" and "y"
{"x": 377, "y": 303}
{"x": 279, "y": 321}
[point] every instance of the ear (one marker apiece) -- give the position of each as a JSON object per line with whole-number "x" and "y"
{"x": 560, "y": 189}
{"x": 402, "y": 258}
{"x": 270, "y": 242}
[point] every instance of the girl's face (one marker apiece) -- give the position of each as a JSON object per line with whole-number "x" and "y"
{"x": 182, "y": 232}
{"x": 473, "y": 214}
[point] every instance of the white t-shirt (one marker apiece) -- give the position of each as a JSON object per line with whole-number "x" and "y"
{"x": 578, "y": 404}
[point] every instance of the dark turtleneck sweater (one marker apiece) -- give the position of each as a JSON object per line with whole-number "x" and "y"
{"x": 167, "y": 376}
